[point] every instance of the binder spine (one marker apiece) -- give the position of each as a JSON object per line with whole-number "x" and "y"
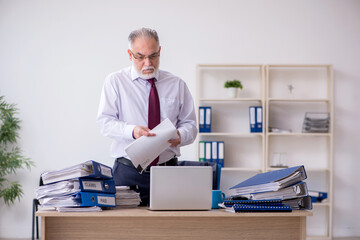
{"x": 89, "y": 199}
{"x": 101, "y": 171}
{"x": 201, "y": 119}
{"x": 95, "y": 185}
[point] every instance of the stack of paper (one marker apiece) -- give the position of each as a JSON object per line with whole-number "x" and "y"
{"x": 89, "y": 184}
{"x": 316, "y": 122}
{"x": 126, "y": 197}
{"x": 284, "y": 184}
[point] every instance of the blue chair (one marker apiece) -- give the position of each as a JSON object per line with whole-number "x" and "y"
{"x": 216, "y": 170}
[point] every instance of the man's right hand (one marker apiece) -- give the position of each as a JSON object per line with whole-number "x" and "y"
{"x": 142, "y": 131}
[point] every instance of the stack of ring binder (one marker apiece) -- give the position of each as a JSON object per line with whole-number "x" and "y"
{"x": 89, "y": 184}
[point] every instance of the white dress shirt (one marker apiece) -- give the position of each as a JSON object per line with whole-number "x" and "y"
{"x": 124, "y": 105}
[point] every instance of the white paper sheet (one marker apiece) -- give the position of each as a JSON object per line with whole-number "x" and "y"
{"x": 145, "y": 149}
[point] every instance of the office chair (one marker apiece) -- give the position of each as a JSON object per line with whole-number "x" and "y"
{"x": 35, "y": 219}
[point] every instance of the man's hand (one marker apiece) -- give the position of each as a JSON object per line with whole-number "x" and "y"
{"x": 175, "y": 142}
{"x": 142, "y": 131}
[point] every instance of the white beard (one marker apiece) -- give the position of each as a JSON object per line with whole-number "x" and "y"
{"x": 145, "y": 76}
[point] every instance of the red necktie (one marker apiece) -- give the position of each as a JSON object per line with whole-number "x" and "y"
{"x": 154, "y": 111}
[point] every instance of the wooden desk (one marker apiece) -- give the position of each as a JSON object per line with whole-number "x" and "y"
{"x": 140, "y": 223}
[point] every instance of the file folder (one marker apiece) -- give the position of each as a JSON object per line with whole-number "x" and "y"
{"x": 252, "y": 119}
{"x": 73, "y": 186}
{"x": 89, "y": 168}
{"x": 208, "y": 119}
{"x": 214, "y": 150}
{"x": 221, "y": 152}
{"x": 208, "y": 151}
{"x": 201, "y": 119}
{"x": 255, "y": 118}
{"x": 301, "y": 203}
{"x": 317, "y": 196}
{"x": 293, "y": 191}
{"x": 259, "y": 118}
{"x": 270, "y": 181}
{"x": 88, "y": 199}
{"x": 202, "y": 151}
{"x": 80, "y": 199}
{"x": 97, "y": 185}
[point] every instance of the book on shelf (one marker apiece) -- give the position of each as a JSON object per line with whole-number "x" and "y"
{"x": 270, "y": 181}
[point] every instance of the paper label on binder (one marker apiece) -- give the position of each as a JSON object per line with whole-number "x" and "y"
{"x": 92, "y": 185}
{"x": 106, "y": 171}
{"x": 252, "y": 115}
{"x": 106, "y": 200}
{"x": 259, "y": 115}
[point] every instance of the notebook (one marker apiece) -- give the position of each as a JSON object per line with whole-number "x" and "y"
{"x": 180, "y": 188}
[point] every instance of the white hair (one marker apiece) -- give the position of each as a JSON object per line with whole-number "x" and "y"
{"x": 143, "y": 32}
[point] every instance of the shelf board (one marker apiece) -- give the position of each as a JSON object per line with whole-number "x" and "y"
{"x": 299, "y": 65}
{"x": 325, "y": 204}
{"x": 300, "y": 134}
{"x": 230, "y": 99}
{"x": 231, "y": 134}
{"x": 241, "y": 169}
{"x": 325, "y": 237}
{"x": 210, "y": 66}
{"x": 287, "y": 100}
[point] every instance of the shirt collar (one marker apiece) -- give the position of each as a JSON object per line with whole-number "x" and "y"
{"x": 134, "y": 74}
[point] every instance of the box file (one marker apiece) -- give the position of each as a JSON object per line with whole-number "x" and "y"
{"x": 221, "y": 152}
{"x": 89, "y": 168}
{"x": 202, "y": 151}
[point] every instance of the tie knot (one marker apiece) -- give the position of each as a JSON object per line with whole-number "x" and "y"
{"x": 151, "y": 81}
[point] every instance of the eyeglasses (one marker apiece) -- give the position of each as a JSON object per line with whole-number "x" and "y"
{"x": 141, "y": 57}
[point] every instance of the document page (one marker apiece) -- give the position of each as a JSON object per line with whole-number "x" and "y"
{"x": 145, "y": 149}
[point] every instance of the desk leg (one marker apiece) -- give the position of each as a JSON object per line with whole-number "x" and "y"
{"x": 43, "y": 226}
{"x": 303, "y": 228}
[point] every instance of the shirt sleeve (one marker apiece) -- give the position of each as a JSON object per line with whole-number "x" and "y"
{"x": 187, "y": 119}
{"x": 108, "y": 113}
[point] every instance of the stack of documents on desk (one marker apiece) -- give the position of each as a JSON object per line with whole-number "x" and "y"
{"x": 89, "y": 184}
{"x": 126, "y": 197}
{"x": 286, "y": 185}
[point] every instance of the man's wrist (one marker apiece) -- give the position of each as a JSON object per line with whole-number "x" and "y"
{"x": 129, "y": 131}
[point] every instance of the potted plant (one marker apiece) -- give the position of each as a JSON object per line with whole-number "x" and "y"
{"x": 233, "y": 86}
{"x": 11, "y": 158}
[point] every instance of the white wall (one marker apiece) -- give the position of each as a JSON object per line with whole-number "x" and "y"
{"x": 54, "y": 56}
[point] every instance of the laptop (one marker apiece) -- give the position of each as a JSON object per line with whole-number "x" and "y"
{"x": 181, "y": 187}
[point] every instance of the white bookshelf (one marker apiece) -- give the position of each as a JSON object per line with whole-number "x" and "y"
{"x": 292, "y": 90}
{"x": 247, "y": 154}
{"x": 230, "y": 118}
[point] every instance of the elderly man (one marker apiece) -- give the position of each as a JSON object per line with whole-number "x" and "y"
{"x": 136, "y": 99}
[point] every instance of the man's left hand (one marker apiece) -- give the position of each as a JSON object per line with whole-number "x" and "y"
{"x": 175, "y": 142}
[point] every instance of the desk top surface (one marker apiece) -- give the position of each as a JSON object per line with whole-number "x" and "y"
{"x": 144, "y": 212}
